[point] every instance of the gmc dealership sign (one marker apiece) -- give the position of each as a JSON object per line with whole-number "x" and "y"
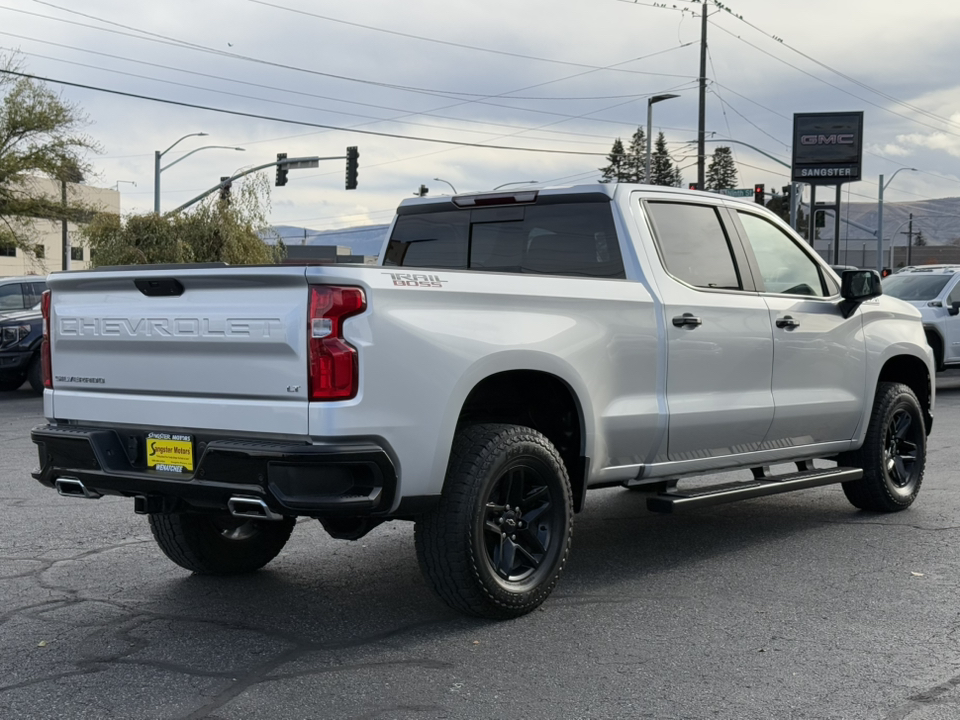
{"x": 827, "y": 147}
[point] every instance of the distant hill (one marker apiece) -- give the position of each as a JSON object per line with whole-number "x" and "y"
{"x": 939, "y": 220}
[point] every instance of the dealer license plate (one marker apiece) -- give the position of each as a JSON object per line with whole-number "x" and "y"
{"x": 170, "y": 452}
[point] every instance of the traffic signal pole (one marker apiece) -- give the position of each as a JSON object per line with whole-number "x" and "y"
{"x": 291, "y": 163}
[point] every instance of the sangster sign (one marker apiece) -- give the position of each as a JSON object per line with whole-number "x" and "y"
{"x": 827, "y": 147}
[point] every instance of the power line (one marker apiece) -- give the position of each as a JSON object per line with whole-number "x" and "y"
{"x": 288, "y": 121}
{"x": 205, "y": 48}
{"x": 434, "y": 40}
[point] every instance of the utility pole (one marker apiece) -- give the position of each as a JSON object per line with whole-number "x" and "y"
{"x": 702, "y": 127}
{"x": 910, "y": 241}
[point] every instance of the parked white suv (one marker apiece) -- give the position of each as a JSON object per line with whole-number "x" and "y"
{"x": 935, "y": 291}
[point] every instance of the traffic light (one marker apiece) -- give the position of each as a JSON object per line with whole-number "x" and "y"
{"x": 694, "y": 186}
{"x": 281, "y": 170}
{"x": 758, "y": 193}
{"x": 820, "y": 219}
{"x": 225, "y": 189}
{"x": 786, "y": 196}
{"x": 421, "y": 191}
{"x": 353, "y": 155}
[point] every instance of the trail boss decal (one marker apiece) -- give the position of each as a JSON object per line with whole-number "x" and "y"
{"x": 416, "y": 280}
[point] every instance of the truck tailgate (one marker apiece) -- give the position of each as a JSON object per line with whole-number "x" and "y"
{"x": 215, "y": 348}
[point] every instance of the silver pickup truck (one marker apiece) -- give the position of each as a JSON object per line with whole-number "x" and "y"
{"x": 510, "y": 352}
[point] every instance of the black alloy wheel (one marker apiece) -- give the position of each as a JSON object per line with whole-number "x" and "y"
{"x": 521, "y": 521}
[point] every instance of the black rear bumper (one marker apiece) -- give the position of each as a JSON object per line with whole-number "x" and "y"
{"x": 317, "y": 480}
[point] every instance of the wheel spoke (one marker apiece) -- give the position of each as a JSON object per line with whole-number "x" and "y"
{"x": 508, "y": 554}
{"x": 491, "y": 527}
{"x": 900, "y": 470}
{"x": 515, "y": 487}
{"x": 538, "y": 495}
{"x": 531, "y": 516}
{"x": 902, "y": 425}
{"x": 493, "y": 507}
{"x": 531, "y": 539}
{"x": 532, "y": 559}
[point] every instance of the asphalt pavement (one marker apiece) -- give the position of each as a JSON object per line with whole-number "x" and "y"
{"x": 795, "y": 606}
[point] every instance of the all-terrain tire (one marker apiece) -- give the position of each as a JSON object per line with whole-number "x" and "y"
{"x": 498, "y": 540}
{"x": 35, "y": 375}
{"x": 219, "y": 544}
{"x": 893, "y": 454}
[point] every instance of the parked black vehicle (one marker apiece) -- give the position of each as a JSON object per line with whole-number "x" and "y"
{"x": 20, "y": 337}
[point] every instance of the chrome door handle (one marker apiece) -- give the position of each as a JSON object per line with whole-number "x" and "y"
{"x": 787, "y": 322}
{"x": 687, "y": 320}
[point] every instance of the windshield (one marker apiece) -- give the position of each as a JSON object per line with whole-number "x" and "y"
{"x": 915, "y": 286}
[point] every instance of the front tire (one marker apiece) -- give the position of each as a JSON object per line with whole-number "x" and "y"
{"x": 893, "y": 454}
{"x": 496, "y": 544}
{"x": 35, "y": 375}
{"x": 219, "y": 544}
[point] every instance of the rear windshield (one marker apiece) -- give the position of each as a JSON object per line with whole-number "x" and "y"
{"x": 577, "y": 238}
{"x": 915, "y": 286}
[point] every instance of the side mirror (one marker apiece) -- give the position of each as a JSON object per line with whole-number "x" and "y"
{"x": 954, "y": 308}
{"x": 857, "y": 286}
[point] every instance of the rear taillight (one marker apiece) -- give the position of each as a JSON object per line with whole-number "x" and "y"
{"x": 45, "y": 361}
{"x": 334, "y": 369}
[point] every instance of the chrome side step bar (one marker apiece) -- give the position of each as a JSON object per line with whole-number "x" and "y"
{"x": 762, "y": 485}
{"x": 251, "y": 507}
{"x": 72, "y": 487}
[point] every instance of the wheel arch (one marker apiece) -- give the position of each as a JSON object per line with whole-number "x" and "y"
{"x": 935, "y": 341}
{"x": 914, "y": 373}
{"x": 539, "y": 400}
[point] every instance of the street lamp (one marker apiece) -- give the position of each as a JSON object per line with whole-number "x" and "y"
{"x": 116, "y": 185}
{"x": 156, "y": 168}
{"x": 517, "y": 182}
{"x": 448, "y": 183}
{"x": 650, "y": 102}
{"x": 883, "y": 186}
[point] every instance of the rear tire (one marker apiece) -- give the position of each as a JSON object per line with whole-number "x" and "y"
{"x": 496, "y": 544}
{"x": 893, "y": 454}
{"x": 219, "y": 544}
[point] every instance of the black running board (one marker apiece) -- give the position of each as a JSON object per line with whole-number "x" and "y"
{"x": 669, "y": 502}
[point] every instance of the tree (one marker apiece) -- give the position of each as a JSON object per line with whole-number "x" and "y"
{"x": 636, "y": 161}
{"x": 662, "y": 169}
{"x": 39, "y": 138}
{"x": 721, "y": 173}
{"x": 218, "y": 229}
{"x": 617, "y": 169}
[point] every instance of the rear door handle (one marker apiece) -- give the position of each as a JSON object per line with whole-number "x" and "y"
{"x": 687, "y": 320}
{"x": 787, "y": 322}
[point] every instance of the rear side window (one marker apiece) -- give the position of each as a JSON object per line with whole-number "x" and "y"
{"x": 693, "y": 245}
{"x": 577, "y": 239}
{"x": 11, "y": 297}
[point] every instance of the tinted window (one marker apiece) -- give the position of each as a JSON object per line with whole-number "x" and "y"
{"x": 693, "y": 245}
{"x": 561, "y": 239}
{"x": 11, "y": 297}
{"x": 33, "y": 291}
{"x": 915, "y": 286}
{"x": 784, "y": 267}
{"x": 433, "y": 240}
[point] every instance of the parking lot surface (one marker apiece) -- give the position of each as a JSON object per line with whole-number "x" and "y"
{"x": 795, "y": 606}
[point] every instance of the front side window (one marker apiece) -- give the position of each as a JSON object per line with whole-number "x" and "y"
{"x": 784, "y": 267}
{"x": 693, "y": 245}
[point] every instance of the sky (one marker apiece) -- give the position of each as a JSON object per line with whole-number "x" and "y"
{"x": 551, "y": 84}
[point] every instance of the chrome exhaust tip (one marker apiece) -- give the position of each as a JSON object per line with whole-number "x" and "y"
{"x": 72, "y": 487}
{"x": 251, "y": 508}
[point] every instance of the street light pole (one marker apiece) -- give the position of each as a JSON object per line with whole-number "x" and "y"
{"x": 880, "y": 216}
{"x": 156, "y": 168}
{"x": 650, "y": 102}
{"x": 448, "y": 183}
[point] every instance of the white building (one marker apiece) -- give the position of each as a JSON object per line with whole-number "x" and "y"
{"x": 48, "y": 234}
